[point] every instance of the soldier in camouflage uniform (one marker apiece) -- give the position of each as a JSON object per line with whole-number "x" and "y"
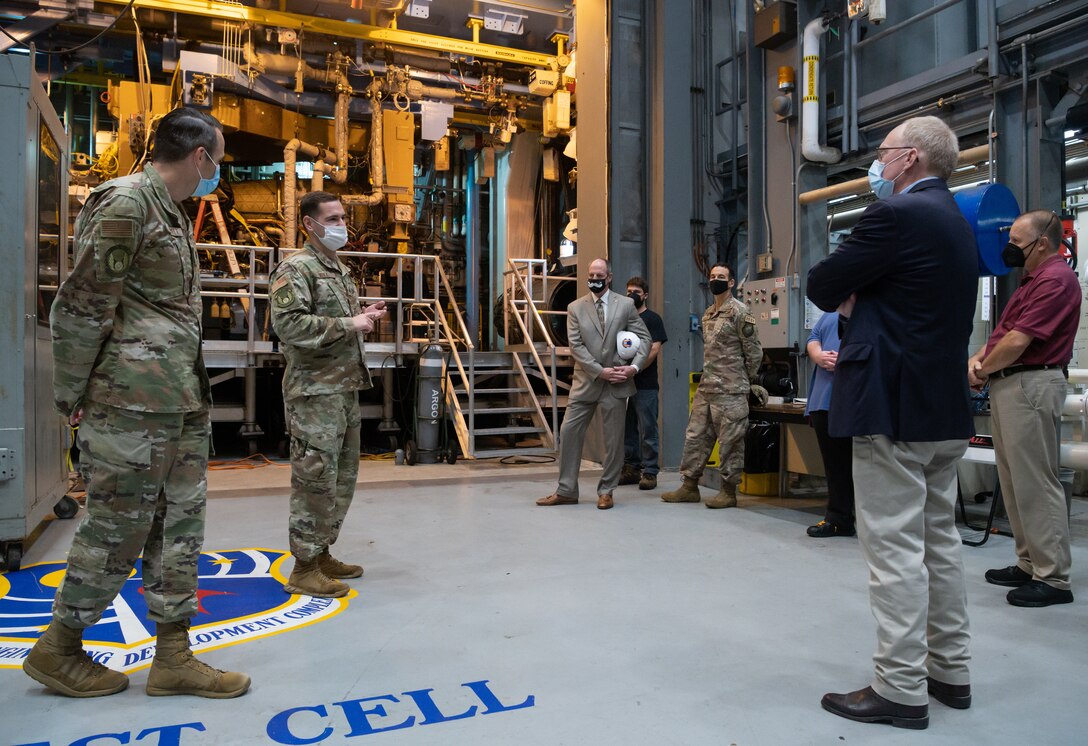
{"x": 126, "y": 340}
{"x": 316, "y": 314}
{"x": 731, "y": 356}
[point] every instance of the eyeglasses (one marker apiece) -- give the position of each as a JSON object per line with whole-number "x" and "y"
{"x": 881, "y": 151}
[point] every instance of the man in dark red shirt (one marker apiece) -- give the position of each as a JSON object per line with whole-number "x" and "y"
{"x": 1024, "y": 361}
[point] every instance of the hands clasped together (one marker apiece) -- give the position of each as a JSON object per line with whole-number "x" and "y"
{"x": 371, "y": 315}
{"x": 618, "y": 374}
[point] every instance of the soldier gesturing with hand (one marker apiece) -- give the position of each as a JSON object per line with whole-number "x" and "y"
{"x": 316, "y": 314}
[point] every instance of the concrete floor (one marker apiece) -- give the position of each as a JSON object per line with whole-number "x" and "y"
{"x": 647, "y": 624}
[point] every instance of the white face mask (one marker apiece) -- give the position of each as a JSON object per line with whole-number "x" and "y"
{"x": 335, "y": 236}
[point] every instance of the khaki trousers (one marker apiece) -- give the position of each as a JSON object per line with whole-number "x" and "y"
{"x": 572, "y": 437}
{"x": 905, "y": 495}
{"x": 1026, "y": 410}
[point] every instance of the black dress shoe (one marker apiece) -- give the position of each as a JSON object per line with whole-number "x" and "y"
{"x": 1011, "y": 576}
{"x": 951, "y": 695}
{"x": 1037, "y": 593}
{"x": 823, "y": 529}
{"x": 866, "y": 706}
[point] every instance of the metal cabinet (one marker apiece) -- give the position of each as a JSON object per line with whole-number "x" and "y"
{"x": 33, "y": 245}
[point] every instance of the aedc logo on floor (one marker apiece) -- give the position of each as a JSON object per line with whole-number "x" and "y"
{"x": 240, "y": 598}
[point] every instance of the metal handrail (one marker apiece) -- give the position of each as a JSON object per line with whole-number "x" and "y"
{"x": 470, "y": 347}
{"x": 534, "y": 313}
{"x": 418, "y": 262}
{"x": 539, "y": 322}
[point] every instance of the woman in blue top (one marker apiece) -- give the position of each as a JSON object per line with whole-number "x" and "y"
{"x": 823, "y": 348}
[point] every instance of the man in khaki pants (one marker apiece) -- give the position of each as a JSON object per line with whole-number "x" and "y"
{"x": 910, "y": 271}
{"x": 1024, "y": 361}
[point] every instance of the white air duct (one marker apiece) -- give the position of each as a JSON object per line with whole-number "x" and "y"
{"x": 811, "y": 148}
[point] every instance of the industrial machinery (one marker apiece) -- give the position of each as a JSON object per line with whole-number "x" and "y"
{"x": 33, "y": 438}
{"x": 433, "y": 130}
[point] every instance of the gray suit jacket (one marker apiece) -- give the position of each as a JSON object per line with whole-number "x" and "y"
{"x": 594, "y": 348}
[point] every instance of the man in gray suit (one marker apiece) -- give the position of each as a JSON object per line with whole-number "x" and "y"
{"x": 600, "y": 378}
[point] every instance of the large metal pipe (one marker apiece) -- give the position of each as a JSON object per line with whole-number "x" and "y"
{"x": 377, "y": 157}
{"x": 811, "y": 148}
{"x": 1074, "y": 456}
{"x": 290, "y": 187}
{"x": 970, "y": 156}
{"x": 322, "y": 156}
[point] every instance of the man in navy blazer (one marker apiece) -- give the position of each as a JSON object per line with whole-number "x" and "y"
{"x": 907, "y": 278}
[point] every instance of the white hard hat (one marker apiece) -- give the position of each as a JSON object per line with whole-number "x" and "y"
{"x": 627, "y": 344}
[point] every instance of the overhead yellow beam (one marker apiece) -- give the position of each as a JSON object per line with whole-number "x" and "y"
{"x": 344, "y": 29}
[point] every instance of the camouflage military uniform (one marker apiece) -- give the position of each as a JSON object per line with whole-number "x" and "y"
{"x": 313, "y": 299}
{"x": 731, "y": 357}
{"x": 126, "y": 340}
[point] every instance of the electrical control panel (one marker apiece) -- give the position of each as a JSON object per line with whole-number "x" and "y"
{"x": 769, "y": 303}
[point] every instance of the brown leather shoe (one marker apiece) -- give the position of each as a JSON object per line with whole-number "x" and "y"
{"x": 951, "y": 695}
{"x": 557, "y": 499}
{"x": 866, "y": 706}
{"x": 604, "y": 502}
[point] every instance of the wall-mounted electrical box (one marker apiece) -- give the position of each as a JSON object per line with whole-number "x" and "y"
{"x": 769, "y": 303}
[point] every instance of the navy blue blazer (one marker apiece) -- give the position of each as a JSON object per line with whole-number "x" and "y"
{"x": 902, "y": 368}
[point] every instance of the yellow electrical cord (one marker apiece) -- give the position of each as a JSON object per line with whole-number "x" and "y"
{"x": 248, "y": 462}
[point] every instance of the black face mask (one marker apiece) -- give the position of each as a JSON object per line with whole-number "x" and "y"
{"x": 717, "y": 287}
{"x": 637, "y": 298}
{"x": 595, "y": 286}
{"x": 1014, "y": 256}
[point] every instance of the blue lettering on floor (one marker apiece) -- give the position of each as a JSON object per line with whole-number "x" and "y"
{"x": 308, "y": 724}
{"x": 369, "y": 715}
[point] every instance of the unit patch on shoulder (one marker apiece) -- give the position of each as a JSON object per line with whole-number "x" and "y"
{"x": 117, "y": 259}
{"x": 749, "y": 327}
{"x": 282, "y": 294}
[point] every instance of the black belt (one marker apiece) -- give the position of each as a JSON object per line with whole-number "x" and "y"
{"x": 1014, "y": 369}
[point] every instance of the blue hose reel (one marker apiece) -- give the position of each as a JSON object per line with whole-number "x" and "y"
{"x": 991, "y": 210}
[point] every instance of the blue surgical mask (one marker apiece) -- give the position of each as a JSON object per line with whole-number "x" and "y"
{"x": 206, "y": 186}
{"x": 882, "y": 188}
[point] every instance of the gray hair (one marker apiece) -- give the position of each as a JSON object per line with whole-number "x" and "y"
{"x": 938, "y": 147}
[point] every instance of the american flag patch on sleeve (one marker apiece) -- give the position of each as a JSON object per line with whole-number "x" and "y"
{"x": 116, "y": 228}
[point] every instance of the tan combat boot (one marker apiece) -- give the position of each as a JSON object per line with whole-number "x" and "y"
{"x": 726, "y": 497}
{"x": 176, "y": 671}
{"x": 334, "y": 568}
{"x": 58, "y": 661}
{"x": 629, "y": 475}
{"x": 687, "y": 492}
{"x": 307, "y": 579}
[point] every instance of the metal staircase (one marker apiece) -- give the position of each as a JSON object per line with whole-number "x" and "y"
{"x": 506, "y": 403}
{"x": 501, "y": 412}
